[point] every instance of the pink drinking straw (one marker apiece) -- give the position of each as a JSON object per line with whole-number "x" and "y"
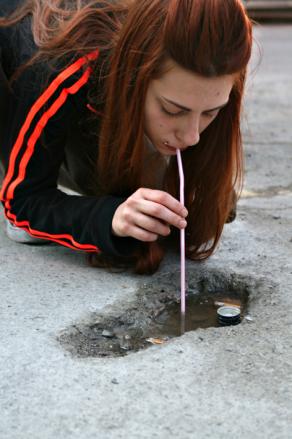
{"x": 182, "y": 237}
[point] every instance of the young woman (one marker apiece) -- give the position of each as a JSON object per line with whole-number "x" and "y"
{"x": 98, "y": 96}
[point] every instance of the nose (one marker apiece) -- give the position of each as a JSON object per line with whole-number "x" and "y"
{"x": 189, "y": 134}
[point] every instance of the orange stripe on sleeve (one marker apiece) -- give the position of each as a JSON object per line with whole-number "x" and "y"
{"x": 38, "y": 131}
{"x": 59, "y": 239}
{"x": 9, "y": 185}
{"x": 41, "y": 101}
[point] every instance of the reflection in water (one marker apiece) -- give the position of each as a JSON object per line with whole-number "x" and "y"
{"x": 201, "y": 312}
{"x": 182, "y": 323}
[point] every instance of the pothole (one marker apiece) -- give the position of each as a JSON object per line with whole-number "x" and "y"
{"x": 154, "y": 315}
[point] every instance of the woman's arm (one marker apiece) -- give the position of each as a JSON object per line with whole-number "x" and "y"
{"x": 34, "y": 148}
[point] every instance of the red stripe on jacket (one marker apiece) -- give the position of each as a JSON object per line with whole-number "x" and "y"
{"x": 9, "y": 185}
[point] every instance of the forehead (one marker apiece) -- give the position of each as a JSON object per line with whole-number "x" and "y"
{"x": 187, "y": 87}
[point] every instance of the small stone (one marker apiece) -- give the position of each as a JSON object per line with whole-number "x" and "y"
{"x": 248, "y": 318}
{"x": 115, "y": 381}
{"x": 108, "y": 334}
{"x": 218, "y": 303}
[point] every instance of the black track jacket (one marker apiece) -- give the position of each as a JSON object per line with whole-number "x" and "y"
{"x": 40, "y": 131}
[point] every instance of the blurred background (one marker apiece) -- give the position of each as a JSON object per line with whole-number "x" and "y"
{"x": 267, "y": 116}
{"x": 269, "y": 10}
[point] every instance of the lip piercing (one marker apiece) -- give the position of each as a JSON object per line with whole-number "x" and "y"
{"x": 166, "y": 143}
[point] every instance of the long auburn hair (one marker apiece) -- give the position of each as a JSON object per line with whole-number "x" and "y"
{"x": 135, "y": 37}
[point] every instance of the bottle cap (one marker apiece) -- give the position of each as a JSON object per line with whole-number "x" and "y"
{"x": 228, "y": 315}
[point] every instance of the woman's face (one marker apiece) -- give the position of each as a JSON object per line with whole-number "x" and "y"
{"x": 180, "y": 105}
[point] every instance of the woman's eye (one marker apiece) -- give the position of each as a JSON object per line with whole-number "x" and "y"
{"x": 180, "y": 113}
{"x": 211, "y": 115}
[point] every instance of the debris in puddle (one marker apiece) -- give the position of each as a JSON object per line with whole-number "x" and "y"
{"x": 125, "y": 343}
{"x": 226, "y": 303}
{"x": 108, "y": 334}
{"x": 216, "y": 303}
{"x": 156, "y": 340}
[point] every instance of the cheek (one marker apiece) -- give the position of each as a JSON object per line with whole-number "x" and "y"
{"x": 155, "y": 122}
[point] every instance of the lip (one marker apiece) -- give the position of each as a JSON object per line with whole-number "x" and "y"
{"x": 170, "y": 148}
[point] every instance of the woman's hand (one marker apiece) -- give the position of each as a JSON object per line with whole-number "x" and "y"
{"x": 147, "y": 214}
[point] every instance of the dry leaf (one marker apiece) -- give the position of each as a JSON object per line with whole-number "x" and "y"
{"x": 156, "y": 340}
{"x": 226, "y": 303}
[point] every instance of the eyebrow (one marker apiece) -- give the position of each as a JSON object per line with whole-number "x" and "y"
{"x": 189, "y": 109}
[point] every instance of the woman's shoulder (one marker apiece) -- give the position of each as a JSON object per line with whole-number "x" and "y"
{"x": 17, "y": 44}
{"x": 8, "y": 6}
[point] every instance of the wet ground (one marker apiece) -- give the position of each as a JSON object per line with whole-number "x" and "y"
{"x": 210, "y": 382}
{"x": 154, "y": 316}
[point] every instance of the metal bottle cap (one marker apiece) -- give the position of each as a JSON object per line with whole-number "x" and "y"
{"x": 228, "y": 315}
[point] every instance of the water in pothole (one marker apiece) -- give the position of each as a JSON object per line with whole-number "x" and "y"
{"x": 154, "y": 318}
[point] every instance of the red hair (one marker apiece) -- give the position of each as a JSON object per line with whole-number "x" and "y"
{"x": 208, "y": 37}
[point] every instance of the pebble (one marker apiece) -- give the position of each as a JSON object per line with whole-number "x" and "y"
{"x": 248, "y": 318}
{"x": 108, "y": 334}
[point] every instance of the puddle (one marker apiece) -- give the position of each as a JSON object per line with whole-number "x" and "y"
{"x": 154, "y": 316}
{"x": 201, "y": 312}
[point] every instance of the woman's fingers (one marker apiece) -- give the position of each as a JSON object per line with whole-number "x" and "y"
{"x": 162, "y": 198}
{"x": 163, "y": 213}
{"x": 152, "y": 225}
{"x": 165, "y": 208}
{"x": 147, "y": 214}
{"x": 143, "y": 235}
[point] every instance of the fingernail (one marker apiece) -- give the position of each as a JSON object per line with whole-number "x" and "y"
{"x": 185, "y": 212}
{"x": 182, "y": 224}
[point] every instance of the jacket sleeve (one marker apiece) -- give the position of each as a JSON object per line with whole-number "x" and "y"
{"x": 34, "y": 147}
